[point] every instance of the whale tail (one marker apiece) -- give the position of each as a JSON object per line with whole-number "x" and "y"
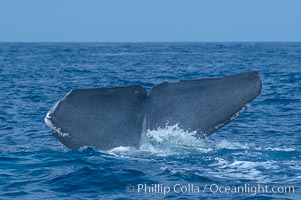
{"x": 110, "y": 117}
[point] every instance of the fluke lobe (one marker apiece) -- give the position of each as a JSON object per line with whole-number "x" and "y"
{"x": 110, "y": 117}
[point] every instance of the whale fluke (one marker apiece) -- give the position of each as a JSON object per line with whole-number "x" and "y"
{"x": 110, "y": 117}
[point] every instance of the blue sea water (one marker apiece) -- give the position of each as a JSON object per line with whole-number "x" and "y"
{"x": 263, "y": 146}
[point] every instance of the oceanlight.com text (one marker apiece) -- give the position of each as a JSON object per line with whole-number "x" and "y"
{"x": 192, "y": 188}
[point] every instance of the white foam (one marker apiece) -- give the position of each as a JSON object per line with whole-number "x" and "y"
{"x": 224, "y": 144}
{"x": 278, "y": 149}
{"x": 122, "y": 150}
{"x": 241, "y": 169}
{"x": 172, "y": 140}
{"x": 172, "y": 135}
{"x": 252, "y": 165}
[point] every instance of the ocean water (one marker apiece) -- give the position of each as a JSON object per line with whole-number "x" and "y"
{"x": 261, "y": 147}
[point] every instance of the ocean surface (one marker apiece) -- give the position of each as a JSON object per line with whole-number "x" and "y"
{"x": 260, "y": 148}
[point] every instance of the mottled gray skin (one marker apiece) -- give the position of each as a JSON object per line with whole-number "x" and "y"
{"x": 110, "y": 117}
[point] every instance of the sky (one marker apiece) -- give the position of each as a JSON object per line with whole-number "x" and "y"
{"x": 149, "y": 20}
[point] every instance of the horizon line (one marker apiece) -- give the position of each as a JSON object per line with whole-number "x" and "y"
{"x": 238, "y": 41}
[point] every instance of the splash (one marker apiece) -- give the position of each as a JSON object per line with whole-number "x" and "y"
{"x": 166, "y": 141}
{"x": 172, "y": 140}
{"x": 171, "y": 134}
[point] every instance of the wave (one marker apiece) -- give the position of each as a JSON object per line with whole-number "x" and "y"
{"x": 172, "y": 140}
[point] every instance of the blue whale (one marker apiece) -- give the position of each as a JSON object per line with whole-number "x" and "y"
{"x": 105, "y": 118}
